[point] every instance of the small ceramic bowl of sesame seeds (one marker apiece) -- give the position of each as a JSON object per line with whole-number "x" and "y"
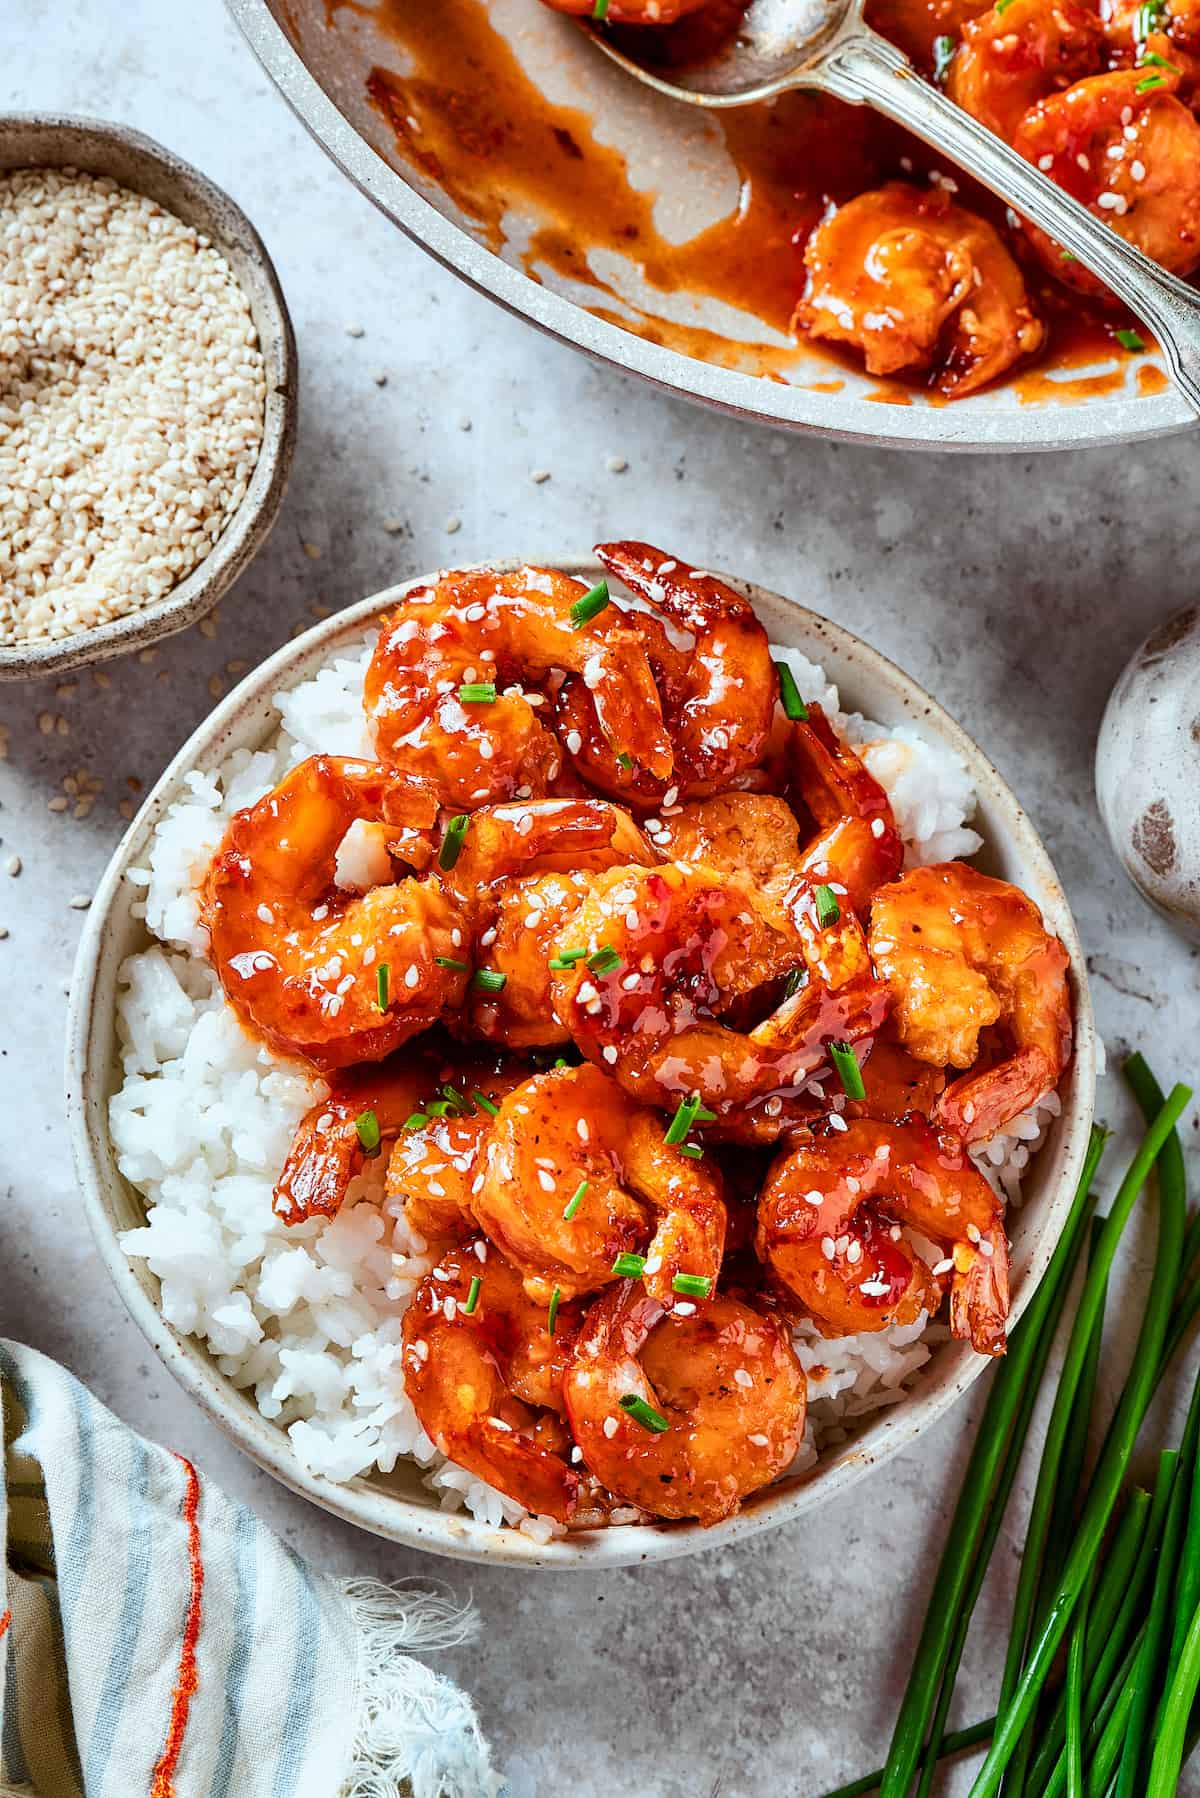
{"x": 147, "y": 393}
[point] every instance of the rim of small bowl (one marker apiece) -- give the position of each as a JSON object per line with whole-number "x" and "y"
{"x": 244, "y": 718}
{"x": 100, "y": 147}
{"x": 960, "y": 426}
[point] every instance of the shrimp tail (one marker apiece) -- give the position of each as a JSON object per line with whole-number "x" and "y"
{"x": 979, "y": 1292}
{"x": 690, "y": 598}
{"x": 319, "y": 1168}
{"x": 548, "y": 1487}
{"x": 980, "y": 1105}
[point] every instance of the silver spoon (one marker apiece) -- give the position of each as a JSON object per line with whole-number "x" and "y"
{"x": 826, "y": 45}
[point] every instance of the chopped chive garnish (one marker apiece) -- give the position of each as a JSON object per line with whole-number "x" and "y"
{"x": 448, "y": 961}
{"x": 452, "y": 842}
{"x": 828, "y": 909}
{"x": 381, "y": 986}
{"x": 1147, "y": 82}
{"x": 1129, "y": 340}
{"x": 692, "y": 1150}
{"x": 600, "y": 9}
{"x": 472, "y": 1296}
{"x": 478, "y": 692}
{"x": 1002, "y": 6}
{"x": 552, "y": 1314}
{"x": 595, "y": 599}
{"x": 1160, "y": 62}
{"x": 489, "y": 980}
{"x": 366, "y": 1125}
{"x": 485, "y": 1104}
{"x": 629, "y": 1267}
{"x": 440, "y": 1108}
{"x": 795, "y": 980}
{"x": 1146, "y": 18}
{"x": 605, "y": 960}
{"x": 693, "y": 1286}
{"x": 789, "y": 693}
{"x": 849, "y": 1073}
{"x": 625, "y": 761}
{"x": 704, "y": 1116}
{"x": 575, "y": 1201}
{"x": 683, "y": 1120}
{"x": 567, "y": 958}
{"x": 943, "y": 56}
{"x": 416, "y": 1120}
{"x": 560, "y": 1061}
{"x": 457, "y": 1101}
{"x": 645, "y": 1414}
{"x": 1067, "y": 256}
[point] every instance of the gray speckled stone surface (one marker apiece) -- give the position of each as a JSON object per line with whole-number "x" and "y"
{"x": 1014, "y": 588}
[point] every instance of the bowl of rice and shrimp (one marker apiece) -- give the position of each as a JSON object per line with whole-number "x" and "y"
{"x": 290, "y": 1336}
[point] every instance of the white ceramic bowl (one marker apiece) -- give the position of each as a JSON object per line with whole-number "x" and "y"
{"x": 399, "y": 1507}
{"x": 42, "y": 140}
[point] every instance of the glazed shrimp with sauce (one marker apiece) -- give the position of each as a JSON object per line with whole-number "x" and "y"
{"x": 484, "y": 1375}
{"x": 320, "y": 947}
{"x": 828, "y": 1227}
{"x": 718, "y": 689}
{"x": 574, "y": 1175}
{"x": 961, "y": 952}
{"x": 662, "y": 953}
{"x": 632, "y": 12}
{"x": 684, "y": 1414}
{"x": 435, "y": 1113}
{"x": 917, "y": 283}
{"x": 453, "y": 692}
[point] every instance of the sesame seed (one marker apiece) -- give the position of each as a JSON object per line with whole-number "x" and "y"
{"x": 684, "y": 1308}
{"x": 610, "y": 1427}
{"x": 610, "y": 1054}
{"x": 79, "y": 901}
{"x": 742, "y": 1377}
{"x": 944, "y": 1267}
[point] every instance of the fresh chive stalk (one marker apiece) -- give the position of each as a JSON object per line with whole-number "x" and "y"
{"x": 452, "y": 842}
{"x": 552, "y": 1313}
{"x": 692, "y": 1286}
{"x": 685, "y": 1116}
{"x": 489, "y": 980}
{"x": 366, "y": 1127}
{"x": 629, "y": 1267}
{"x": 848, "y": 1071}
{"x": 953, "y": 1577}
{"x": 650, "y": 1419}
{"x": 575, "y": 1201}
{"x": 381, "y": 986}
{"x": 1075, "y": 1655}
{"x": 828, "y": 910}
{"x": 1114, "y": 1459}
{"x": 604, "y": 960}
{"x": 485, "y": 1104}
{"x": 456, "y": 967}
{"x": 472, "y": 1296}
{"x": 478, "y": 692}
{"x": 593, "y": 602}
{"x": 789, "y": 694}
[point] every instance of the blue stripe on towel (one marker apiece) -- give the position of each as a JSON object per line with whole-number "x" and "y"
{"x": 115, "y": 1689}
{"x": 300, "y": 1689}
{"x": 83, "y": 1523}
{"x": 246, "y": 1562}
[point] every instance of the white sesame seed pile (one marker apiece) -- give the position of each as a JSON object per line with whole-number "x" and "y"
{"x": 132, "y": 391}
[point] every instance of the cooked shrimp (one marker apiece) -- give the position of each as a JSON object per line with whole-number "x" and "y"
{"x": 453, "y": 690}
{"x": 718, "y": 694}
{"x": 858, "y": 845}
{"x": 825, "y": 1225}
{"x": 725, "y": 1383}
{"x": 1022, "y": 52}
{"x": 961, "y": 952}
{"x": 896, "y": 1083}
{"x": 481, "y": 1380}
{"x": 1131, "y": 157}
{"x": 575, "y": 1174}
{"x": 669, "y": 950}
{"x": 521, "y": 922}
{"x": 754, "y": 835}
{"x": 632, "y": 12}
{"x": 918, "y": 285}
{"x": 314, "y": 963}
{"x": 436, "y": 1112}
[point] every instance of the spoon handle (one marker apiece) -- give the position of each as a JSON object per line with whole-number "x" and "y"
{"x": 863, "y": 67}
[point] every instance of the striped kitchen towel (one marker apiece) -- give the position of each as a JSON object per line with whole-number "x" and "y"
{"x": 156, "y": 1639}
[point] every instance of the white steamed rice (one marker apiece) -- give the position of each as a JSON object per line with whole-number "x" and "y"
{"x": 308, "y": 1318}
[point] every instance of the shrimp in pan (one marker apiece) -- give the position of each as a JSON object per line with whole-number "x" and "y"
{"x": 961, "y": 952}
{"x": 575, "y": 1175}
{"x": 455, "y": 694}
{"x": 682, "y": 1413}
{"x": 828, "y": 1226}
{"x": 484, "y": 1374}
{"x": 310, "y": 960}
{"x": 718, "y": 693}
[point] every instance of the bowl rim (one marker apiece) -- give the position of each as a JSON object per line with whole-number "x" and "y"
{"x": 94, "y": 141}
{"x": 391, "y": 1515}
{"x": 960, "y": 427}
